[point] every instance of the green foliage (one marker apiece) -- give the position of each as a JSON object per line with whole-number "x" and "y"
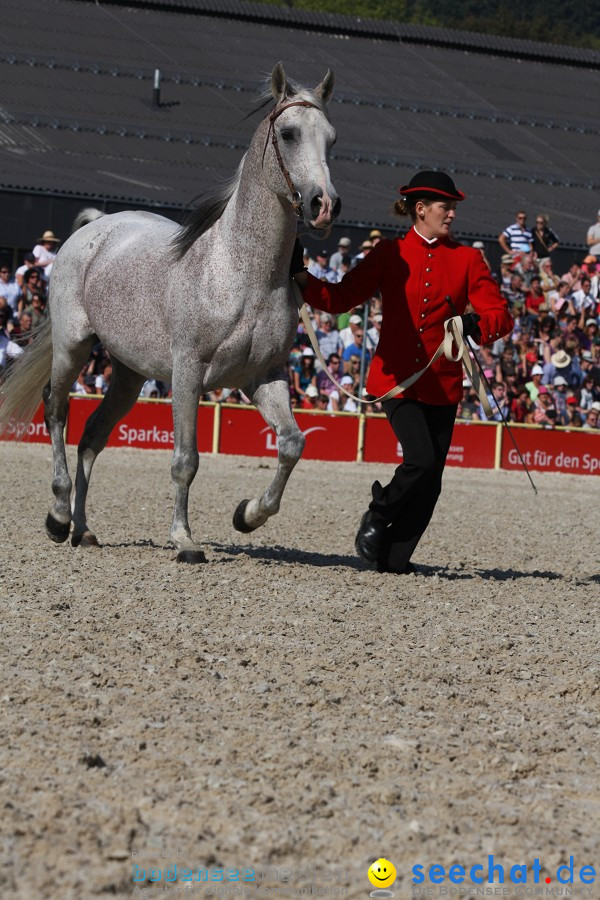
{"x": 575, "y": 22}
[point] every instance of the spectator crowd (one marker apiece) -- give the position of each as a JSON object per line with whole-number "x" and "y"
{"x": 546, "y": 372}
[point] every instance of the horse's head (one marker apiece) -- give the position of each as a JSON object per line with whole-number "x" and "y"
{"x": 302, "y": 137}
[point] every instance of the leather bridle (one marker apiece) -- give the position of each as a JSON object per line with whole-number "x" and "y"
{"x": 296, "y": 196}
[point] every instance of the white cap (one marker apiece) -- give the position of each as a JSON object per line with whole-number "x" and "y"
{"x": 311, "y": 391}
{"x": 347, "y": 380}
{"x": 355, "y": 320}
{"x": 308, "y": 352}
{"x": 378, "y": 317}
{"x": 595, "y": 406}
{"x": 479, "y": 245}
{"x": 537, "y": 370}
{"x": 559, "y": 380}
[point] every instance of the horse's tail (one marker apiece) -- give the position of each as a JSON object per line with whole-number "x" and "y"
{"x": 21, "y": 388}
{"x": 85, "y": 217}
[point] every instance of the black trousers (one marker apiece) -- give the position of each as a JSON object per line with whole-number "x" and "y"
{"x": 406, "y": 504}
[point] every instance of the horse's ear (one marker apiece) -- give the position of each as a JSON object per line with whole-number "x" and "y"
{"x": 325, "y": 89}
{"x": 278, "y": 82}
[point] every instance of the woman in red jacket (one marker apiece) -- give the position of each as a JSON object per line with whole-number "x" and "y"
{"x": 415, "y": 276}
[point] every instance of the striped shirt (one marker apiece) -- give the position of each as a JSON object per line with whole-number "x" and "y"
{"x": 519, "y": 239}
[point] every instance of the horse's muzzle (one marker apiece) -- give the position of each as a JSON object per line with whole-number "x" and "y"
{"x": 324, "y": 209}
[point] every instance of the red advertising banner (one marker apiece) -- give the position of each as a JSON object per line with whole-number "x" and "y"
{"x": 473, "y": 446}
{"x": 148, "y": 425}
{"x": 244, "y": 431}
{"x": 576, "y": 452}
{"x": 36, "y": 433}
{"x": 80, "y": 409}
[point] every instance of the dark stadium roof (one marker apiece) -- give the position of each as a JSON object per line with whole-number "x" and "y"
{"x": 511, "y": 120}
{"x": 374, "y": 28}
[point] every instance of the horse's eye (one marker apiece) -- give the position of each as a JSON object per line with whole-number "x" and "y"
{"x": 287, "y": 135}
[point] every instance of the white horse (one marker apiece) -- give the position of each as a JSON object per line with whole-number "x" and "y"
{"x": 202, "y": 306}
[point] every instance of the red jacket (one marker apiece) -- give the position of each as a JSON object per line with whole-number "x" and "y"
{"x": 413, "y": 278}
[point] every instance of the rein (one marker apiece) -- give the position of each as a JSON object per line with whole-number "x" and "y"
{"x": 296, "y": 196}
{"x": 453, "y": 338}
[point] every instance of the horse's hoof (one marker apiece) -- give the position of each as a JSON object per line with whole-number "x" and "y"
{"x": 87, "y": 539}
{"x": 239, "y": 523}
{"x": 57, "y": 531}
{"x": 191, "y": 557}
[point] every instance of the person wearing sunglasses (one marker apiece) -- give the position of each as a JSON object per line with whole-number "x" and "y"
{"x": 544, "y": 239}
{"x": 516, "y": 238}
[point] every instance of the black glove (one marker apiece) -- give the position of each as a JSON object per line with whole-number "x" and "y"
{"x": 470, "y": 326}
{"x": 297, "y": 263}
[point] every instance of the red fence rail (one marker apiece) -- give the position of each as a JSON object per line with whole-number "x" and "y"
{"x": 343, "y": 437}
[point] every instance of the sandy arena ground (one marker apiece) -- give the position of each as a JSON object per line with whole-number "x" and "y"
{"x": 283, "y": 705}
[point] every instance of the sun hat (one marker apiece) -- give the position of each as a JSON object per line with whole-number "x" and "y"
{"x": 560, "y": 359}
{"x": 375, "y": 233}
{"x": 438, "y": 185}
{"x": 366, "y": 245}
{"x": 49, "y": 236}
{"x": 559, "y": 380}
{"x": 344, "y": 242}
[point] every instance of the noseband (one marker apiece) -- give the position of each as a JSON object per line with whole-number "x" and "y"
{"x": 296, "y": 196}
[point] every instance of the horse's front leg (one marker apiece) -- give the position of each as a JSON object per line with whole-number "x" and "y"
{"x": 186, "y": 393}
{"x": 271, "y": 397}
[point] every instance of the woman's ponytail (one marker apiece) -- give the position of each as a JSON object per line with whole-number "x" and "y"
{"x": 401, "y": 207}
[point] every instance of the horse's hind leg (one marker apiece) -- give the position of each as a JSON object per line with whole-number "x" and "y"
{"x": 123, "y": 391}
{"x": 67, "y": 362}
{"x": 272, "y": 399}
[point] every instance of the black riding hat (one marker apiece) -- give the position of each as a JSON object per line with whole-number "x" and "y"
{"x": 432, "y": 185}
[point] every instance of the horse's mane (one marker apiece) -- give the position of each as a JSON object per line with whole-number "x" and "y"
{"x": 206, "y": 213}
{"x": 211, "y": 206}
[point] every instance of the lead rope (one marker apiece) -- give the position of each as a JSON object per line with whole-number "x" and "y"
{"x": 453, "y": 336}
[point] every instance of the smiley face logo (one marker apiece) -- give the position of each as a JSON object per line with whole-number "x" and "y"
{"x": 382, "y": 873}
